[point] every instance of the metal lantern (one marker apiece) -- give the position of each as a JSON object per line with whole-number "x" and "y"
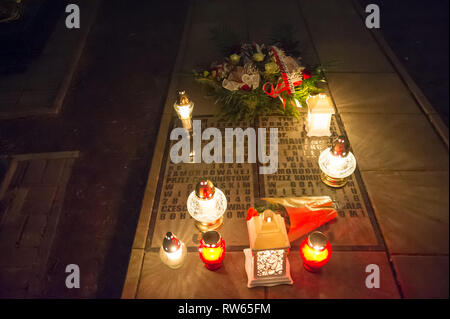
{"x": 266, "y": 260}
{"x": 206, "y": 205}
{"x": 315, "y": 251}
{"x": 173, "y": 251}
{"x": 212, "y": 250}
{"x": 337, "y": 163}
{"x": 320, "y": 110}
{"x": 184, "y": 107}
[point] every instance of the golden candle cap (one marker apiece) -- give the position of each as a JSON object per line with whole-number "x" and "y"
{"x": 317, "y": 240}
{"x": 182, "y": 98}
{"x": 205, "y": 189}
{"x": 340, "y": 147}
{"x": 211, "y": 238}
{"x": 170, "y": 243}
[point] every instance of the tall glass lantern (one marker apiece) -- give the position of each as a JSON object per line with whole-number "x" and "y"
{"x": 173, "y": 251}
{"x": 206, "y": 205}
{"x": 337, "y": 163}
{"x": 320, "y": 110}
{"x": 266, "y": 260}
{"x": 184, "y": 107}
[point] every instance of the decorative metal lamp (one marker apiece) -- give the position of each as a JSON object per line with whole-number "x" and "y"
{"x": 212, "y": 250}
{"x": 184, "y": 107}
{"x": 337, "y": 163}
{"x": 320, "y": 110}
{"x": 206, "y": 205}
{"x": 173, "y": 251}
{"x": 266, "y": 260}
{"x": 315, "y": 251}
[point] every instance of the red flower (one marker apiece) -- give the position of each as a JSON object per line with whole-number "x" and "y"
{"x": 245, "y": 87}
{"x": 251, "y": 212}
{"x": 307, "y": 74}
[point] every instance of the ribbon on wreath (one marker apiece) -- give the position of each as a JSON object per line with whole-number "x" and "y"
{"x": 287, "y": 84}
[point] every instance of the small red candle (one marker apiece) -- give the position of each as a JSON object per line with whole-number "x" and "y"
{"x": 212, "y": 250}
{"x": 315, "y": 251}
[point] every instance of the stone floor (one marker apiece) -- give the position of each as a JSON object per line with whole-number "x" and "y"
{"x": 402, "y": 160}
{"x": 37, "y": 85}
{"x": 117, "y": 113}
{"x": 111, "y": 115}
{"x": 32, "y": 196}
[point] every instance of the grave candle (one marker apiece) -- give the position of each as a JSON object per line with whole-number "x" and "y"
{"x": 337, "y": 163}
{"x": 212, "y": 250}
{"x": 173, "y": 251}
{"x": 206, "y": 205}
{"x": 184, "y": 107}
{"x": 315, "y": 251}
{"x": 320, "y": 110}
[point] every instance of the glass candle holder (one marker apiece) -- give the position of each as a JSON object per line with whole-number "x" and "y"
{"x": 206, "y": 205}
{"x": 315, "y": 251}
{"x": 212, "y": 250}
{"x": 320, "y": 110}
{"x": 173, "y": 251}
{"x": 184, "y": 107}
{"x": 337, "y": 163}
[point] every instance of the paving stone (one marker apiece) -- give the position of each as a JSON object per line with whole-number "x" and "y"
{"x": 17, "y": 257}
{"x": 133, "y": 274}
{"x": 422, "y": 277}
{"x": 264, "y": 17}
{"x": 14, "y": 282}
{"x": 214, "y": 11}
{"x": 39, "y": 200}
{"x": 395, "y": 142}
{"x": 341, "y": 38}
{"x": 33, "y": 231}
{"x": 193, "y": 280}
{"x": 371, "y": 93}
{"x": 343, "y": 277}
{"x": 53, "y": 171}
{"x": 203, "y": 105}
{"x": 34, "y": 172}
{"x": 411, "y": 209}
{"x": 33, "y": 99}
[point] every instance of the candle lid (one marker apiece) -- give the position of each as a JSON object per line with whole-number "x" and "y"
{"x": 182, "y": 98}
{"x": 340, "y": 147}
{"x": 211, "y": 238}
{"x": 205, "y": 189}
{"x": 317, "y": 240}
{"x": 170, "y": 243}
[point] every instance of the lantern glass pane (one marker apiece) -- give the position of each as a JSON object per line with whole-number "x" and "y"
{"x": 270, "y": 263}
{"x": 320, "y": 122}
{"x": 207, "y": 211}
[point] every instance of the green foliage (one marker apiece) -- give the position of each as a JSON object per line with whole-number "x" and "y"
{"x": 243, "y": 104}
{"x": 246, "y": 105}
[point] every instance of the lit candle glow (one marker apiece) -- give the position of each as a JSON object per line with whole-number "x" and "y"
{"x": 212, "y": 250}
{"x": 315, "y": 251}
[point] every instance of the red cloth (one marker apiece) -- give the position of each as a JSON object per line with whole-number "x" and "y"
{"x": 307, "y": 218}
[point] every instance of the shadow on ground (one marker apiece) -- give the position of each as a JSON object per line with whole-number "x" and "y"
{"x": 111, "y": 115}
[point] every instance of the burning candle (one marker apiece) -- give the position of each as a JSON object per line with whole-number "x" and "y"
{"x": 184, "y": 107}
{"x": 173, "y": 251}
{"x": 206, "y": 205}
{"x": 320, "y": 110}
{"x": 337, "y": 163}
{"x": 212, "y": 250}
{"x": 315, "y": 251}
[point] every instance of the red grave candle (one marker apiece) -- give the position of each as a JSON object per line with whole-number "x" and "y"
{"x": 315, "y": 251}
{"x": 212, "y": 250}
